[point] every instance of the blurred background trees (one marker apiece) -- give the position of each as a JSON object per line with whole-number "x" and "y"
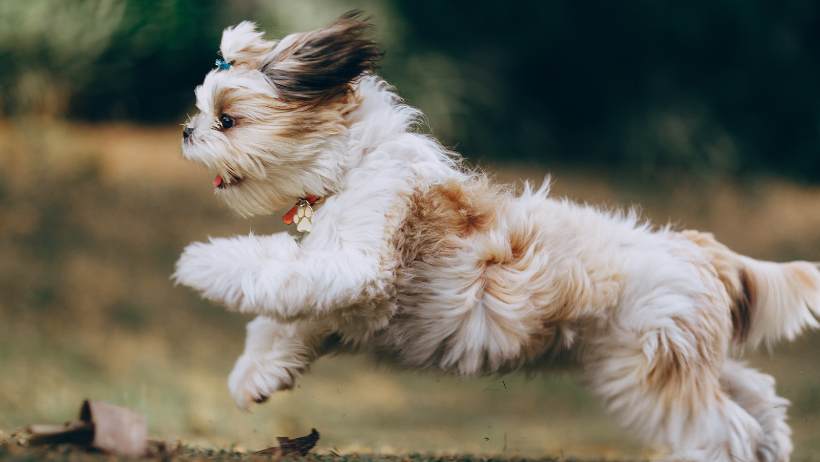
{"x": 712, "y": 88}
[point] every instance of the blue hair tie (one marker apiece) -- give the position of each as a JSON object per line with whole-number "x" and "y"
{"x": 222, "y": 64}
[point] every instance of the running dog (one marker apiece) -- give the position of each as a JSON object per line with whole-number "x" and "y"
{"x": 424, "y": 264}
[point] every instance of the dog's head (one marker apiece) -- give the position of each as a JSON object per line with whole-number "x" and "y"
{"x": 269, "y": 115}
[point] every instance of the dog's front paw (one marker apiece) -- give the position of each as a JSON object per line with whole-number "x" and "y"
{"x": 208, "y": 269}
{"x": 243, "y": 273}
{"x": 254, "y": 379}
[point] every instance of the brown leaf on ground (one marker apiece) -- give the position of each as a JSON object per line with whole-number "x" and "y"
{"x": 102, "y": 426}
{"x": 289, "y": 446}
{"x": 77, "y": 432}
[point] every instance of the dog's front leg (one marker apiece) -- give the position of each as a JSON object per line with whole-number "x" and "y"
{"x": 275, "y": 355}
{"x": 344, "y": 261}
{"x": 240, "y": 271}
{"x": 275, "y": 276}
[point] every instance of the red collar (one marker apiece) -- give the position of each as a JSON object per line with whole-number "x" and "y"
{"x": 288, "y": 217}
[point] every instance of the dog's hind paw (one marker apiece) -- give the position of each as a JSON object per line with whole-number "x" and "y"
{"x": 255, "y": 378}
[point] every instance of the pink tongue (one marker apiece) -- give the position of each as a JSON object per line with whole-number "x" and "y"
{"x": 217, "y": 181}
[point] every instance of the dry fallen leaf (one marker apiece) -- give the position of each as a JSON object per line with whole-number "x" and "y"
{"x": 103, "y": 426}
{"x": 78, "y": 432}
{"x": 289, "y": 446}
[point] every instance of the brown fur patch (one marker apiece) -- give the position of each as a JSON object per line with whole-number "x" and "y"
{"x": 295, "y": 121}
{"x": 443, "y": 216}
{"x": 668, "y": 367}
{"x": 322, "y": 64}
{"x": 739, "y": 285}
{"x": 684, "y": 374}
{"x": 325, "y": 120}
{"x": 742, "y": 308}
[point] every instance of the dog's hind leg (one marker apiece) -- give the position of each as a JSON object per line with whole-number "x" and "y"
{"x": 665, "y": 401}
{"x": 275, "y": 354}
{"x": 659, "y": 361}
{"x": 755, "y": 392}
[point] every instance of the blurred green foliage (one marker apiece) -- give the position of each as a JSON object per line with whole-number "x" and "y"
{"x": 48, "y": 50}
{"x": 158, "y": 54}
{"x": 713, "y": 88}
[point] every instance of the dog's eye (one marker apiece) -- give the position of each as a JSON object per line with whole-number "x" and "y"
{"x": 226, "y": 121}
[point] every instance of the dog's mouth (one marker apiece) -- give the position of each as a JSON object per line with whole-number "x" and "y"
{"x": 220, "y": 183}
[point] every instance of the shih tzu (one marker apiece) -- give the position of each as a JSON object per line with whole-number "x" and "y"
{"x": 425, "y": 265}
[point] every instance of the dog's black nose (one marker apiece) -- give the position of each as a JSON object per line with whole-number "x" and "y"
{"x": 186, "y": 132}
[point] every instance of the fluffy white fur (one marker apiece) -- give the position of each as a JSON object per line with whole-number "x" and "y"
{"x": 425, "y": 265}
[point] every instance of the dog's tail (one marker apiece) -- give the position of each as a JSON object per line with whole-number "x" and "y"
{"x": 770, "y": 301}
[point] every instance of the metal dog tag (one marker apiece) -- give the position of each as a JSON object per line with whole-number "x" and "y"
{"x": 304, "y": 217}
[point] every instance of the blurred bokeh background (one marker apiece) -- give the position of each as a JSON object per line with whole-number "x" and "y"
{"x": 707, "y": 113}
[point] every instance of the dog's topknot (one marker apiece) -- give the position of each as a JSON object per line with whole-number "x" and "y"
{"x": 244, "y": 46}
{"x": 322, "y": 63}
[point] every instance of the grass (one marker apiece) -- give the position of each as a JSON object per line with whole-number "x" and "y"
{"x": 15, "y": 448}
{"x": 92, "y": 219}
{"x": 12, "y": 450}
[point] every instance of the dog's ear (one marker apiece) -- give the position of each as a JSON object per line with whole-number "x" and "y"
{"x": 323, "y": 63}
{"x": 243, "y": 46}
